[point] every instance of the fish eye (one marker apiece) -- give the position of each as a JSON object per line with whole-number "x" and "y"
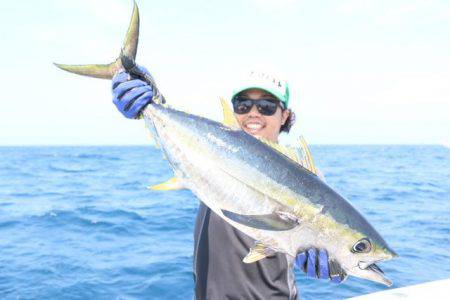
{"x": 362, "y": 246}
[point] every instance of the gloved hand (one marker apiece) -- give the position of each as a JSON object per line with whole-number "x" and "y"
{"x": 315, "y": 264}
{"x": 131, "y": 95}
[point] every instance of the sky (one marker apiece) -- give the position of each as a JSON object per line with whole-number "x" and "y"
{"x": 360, "y": 71}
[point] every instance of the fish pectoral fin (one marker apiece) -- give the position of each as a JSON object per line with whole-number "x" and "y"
{"x": 289, "y": 217}
{"x": 170, "y": 185}
{"x": 274, "y": 221}
{"x": 228, "y": 116}
{"x": 257, "y": 252}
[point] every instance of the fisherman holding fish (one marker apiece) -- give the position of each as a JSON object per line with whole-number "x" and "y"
{"x": 261, "y": 109}
{"x": 254, "y": 193}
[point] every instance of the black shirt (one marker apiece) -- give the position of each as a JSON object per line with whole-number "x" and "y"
{"x": 219, "y": 272}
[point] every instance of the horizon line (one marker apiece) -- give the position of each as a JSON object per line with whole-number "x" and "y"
{"x": 153, "y": 145}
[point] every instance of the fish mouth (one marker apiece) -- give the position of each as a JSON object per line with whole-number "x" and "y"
{"x": 374, "y": 272}
{"x": 375, "y": 268}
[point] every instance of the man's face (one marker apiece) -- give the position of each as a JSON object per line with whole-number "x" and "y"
{"x": 259, "y": 125}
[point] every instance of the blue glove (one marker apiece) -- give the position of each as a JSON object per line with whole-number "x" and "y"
{"x": 316, "y": 265}
{"x": 131, "y": 95}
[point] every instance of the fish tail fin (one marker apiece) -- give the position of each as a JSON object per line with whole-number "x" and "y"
{"x": 97, "y": 71}
{"x": 107, "y": 71}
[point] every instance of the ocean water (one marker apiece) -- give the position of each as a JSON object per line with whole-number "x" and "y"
{"x": 79, "y": 223}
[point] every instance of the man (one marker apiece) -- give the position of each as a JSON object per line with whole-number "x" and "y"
{"x": 261, "y": 109}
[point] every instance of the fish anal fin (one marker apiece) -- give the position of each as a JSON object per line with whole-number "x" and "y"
{"x": 257, "y": 252}
{"x": 170, "y": 185}
{"x": 273, "y": 221}
{"x": 228, "y": 115}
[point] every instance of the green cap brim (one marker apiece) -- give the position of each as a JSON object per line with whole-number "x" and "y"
{"x": 267, "y": 88}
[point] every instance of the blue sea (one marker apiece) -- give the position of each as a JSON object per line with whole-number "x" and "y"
{"x": 79, "y": 223}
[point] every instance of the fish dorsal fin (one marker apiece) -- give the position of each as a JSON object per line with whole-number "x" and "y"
{"x": 228, "y": 116}
{"x": 304, "y": 155}
{"x": 170, "y": 185}
{"x": 257, "y": 252}
{"x": 301, "y": 154}
{"x": 289, "y": 152}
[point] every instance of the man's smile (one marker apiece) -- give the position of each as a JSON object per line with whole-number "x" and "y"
{"x": 253, "y": 126}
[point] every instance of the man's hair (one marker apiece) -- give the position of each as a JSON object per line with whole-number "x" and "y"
{"x": 289, "y": 122}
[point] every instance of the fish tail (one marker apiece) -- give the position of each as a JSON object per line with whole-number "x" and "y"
{"x": 107, "y": 71}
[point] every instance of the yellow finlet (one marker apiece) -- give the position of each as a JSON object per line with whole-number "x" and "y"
{"x": 172, "y": 184}
{"x": 228, "y": 116}
{"x": 257, "y": 252}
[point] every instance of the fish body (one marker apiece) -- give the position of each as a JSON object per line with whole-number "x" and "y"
{"x": 253, "y": 186}
{"x": 238, "y": 176}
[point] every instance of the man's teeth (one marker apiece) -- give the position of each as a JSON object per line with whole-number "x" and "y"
{"x": 254, "y": 126}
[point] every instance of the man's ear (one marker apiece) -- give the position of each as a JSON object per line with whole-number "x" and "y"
{"x": 285, "y": 116}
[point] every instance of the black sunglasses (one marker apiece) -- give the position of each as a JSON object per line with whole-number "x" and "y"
{"x": 266, "y": 107}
